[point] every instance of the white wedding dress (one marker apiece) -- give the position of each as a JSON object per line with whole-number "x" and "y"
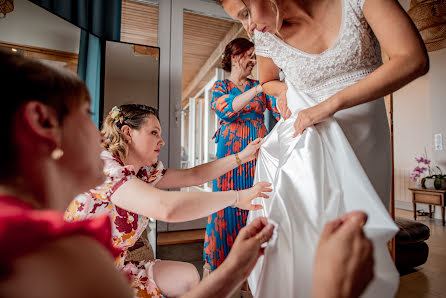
{"x": 334, "y": 167}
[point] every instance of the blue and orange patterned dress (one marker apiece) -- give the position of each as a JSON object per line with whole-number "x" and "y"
{"x": 236, "y": 131}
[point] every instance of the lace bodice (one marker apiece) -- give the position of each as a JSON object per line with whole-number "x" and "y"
{"x": 354, "y": 54}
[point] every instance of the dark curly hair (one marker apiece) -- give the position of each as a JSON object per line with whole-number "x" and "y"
{"x": 236, "y": 47}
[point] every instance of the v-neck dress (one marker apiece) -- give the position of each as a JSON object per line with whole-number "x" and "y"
{"x": 236, "y": 131}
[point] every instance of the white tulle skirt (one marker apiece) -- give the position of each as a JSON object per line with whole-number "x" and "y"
{"x": 316, "y": 178}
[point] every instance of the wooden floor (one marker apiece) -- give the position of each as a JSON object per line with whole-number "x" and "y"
{"x": 181, "y": 237}
{"x": 429, "y": 280}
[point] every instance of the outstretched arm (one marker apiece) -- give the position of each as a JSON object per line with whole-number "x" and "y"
{"x": 174, "y": 206}
{"x": 175, "y": 178}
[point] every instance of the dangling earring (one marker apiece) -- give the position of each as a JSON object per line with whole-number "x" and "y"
{"x": 57, "y": 154}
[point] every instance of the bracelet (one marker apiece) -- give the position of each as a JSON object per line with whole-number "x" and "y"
{"x": 237, "y": 200}
{"x": 237, "y": 159}
{"x": 257, "y": 89}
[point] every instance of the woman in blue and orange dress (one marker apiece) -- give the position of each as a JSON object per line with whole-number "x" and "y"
{"x": 239, "y": 103}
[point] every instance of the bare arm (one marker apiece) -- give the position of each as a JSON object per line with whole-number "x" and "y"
{"x": 198, "y": 175}
{"x": 408, "y": 60}
{"x": 70, "y": 267}
{"x": 243, "y": 99}
{"x": 271, "y": 84}
{"x": 174, "y": 206}
{"x": 401, "y": 41}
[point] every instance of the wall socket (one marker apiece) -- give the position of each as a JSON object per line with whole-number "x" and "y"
{"x": 438, "y": 142}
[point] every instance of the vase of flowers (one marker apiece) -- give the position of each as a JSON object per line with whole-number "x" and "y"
{"x": 418, "y": 171}
{"x": 435, "y": 178}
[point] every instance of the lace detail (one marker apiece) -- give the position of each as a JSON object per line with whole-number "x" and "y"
{"x": 355, "y": 54}
{"x": 361, "y": 3}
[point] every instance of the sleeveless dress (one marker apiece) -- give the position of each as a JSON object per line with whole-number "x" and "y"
{"x": 339, "y": 165}
{"x": 24, "y": 229}
{"x": 236, "y": 131}
{"x": 127, "y": 226}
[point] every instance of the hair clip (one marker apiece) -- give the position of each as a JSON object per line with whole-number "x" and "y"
{"x": 116, "y": 114}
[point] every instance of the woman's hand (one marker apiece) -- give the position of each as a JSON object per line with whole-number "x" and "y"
{"x": 312, "y": 116}
{"x": 251, "y": 151}
{"x": 247, "y": 195}
{"x": 282, "y": 104}
{"x": 344, "y": 258}
{"x": 247, "y": 246}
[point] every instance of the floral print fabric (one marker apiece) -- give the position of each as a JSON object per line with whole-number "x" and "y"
{"x": 236, "y": 131}
{"x": 127, "y": 226}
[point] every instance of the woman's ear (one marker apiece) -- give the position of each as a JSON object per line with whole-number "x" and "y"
{"x": 127, "y": 132}
{"x": 43, "y": 122}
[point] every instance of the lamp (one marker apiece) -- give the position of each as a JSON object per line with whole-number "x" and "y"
{"x": 430, "y": 18}
{"x": 6, "y": 6}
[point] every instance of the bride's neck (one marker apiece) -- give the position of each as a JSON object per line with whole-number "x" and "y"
{"x": 296, "y": 11}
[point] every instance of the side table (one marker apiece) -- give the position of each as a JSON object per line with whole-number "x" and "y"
{"x": 429, "y": 197}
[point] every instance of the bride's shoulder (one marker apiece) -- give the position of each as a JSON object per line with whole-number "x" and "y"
{"x": 264, "y": 43}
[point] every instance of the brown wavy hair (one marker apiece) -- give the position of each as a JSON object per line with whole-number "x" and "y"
{"x": 236, "y": 47}
{"x": 28, "y": 80}
{"x": 134, "y": 115}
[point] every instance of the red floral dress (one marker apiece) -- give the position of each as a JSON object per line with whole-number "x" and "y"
{"x": 127, "y": 226}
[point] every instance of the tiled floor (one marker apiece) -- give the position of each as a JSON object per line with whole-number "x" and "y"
{"x": 428, "y": 280}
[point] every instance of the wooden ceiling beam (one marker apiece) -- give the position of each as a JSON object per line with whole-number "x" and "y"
{"x": 234, "y": 32}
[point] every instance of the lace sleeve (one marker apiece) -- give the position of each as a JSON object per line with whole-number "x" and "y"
{"x": 361, "y": 3}
{"x": 261, "y": 45}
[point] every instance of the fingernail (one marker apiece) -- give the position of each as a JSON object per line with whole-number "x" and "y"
{"x": 269, "y": 227}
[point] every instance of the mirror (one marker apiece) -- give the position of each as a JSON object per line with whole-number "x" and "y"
{"x": 34, "y": 32}
{"x": 131, "y": 76}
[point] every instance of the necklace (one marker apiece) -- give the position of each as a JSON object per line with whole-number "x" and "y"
{"x": 240, "y": 85}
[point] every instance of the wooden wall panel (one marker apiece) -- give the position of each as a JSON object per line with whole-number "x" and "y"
{"x": 139, "y": 23}
{"x": 201, "y": 35}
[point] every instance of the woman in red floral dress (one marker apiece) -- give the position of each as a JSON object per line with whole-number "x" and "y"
{"x": 130, "y": 195}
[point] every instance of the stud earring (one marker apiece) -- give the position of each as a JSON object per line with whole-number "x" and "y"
{"x": 57, "y": 154}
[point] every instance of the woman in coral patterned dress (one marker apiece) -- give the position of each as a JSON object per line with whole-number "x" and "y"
{"x": 239, "y": 103}
{"x": 130, "y": 195}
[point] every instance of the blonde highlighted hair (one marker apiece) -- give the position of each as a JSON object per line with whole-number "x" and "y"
{"x": 133, "y": 115}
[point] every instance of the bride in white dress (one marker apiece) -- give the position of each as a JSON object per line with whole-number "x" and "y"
{"x": 330, "y": 153}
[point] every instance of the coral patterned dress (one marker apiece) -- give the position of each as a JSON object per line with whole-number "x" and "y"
{"x": 236, "y": 131}
{"x": 127, "y": 226}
